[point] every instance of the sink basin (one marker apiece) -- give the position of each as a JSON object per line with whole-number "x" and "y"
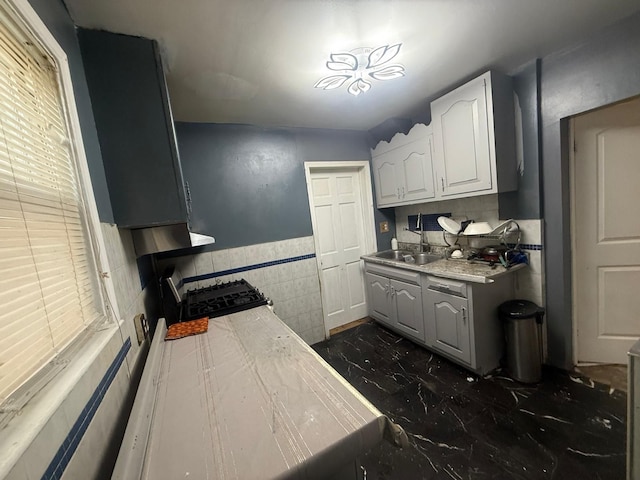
{"x": 424, "y": 258}
{"x": 397, "y": 255}
{"x": 416, "y": 258}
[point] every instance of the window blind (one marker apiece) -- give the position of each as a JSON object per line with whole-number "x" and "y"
{"x": 48, "y": 280}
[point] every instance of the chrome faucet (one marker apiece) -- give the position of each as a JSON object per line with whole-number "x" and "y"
{"x": 420, "y": 232}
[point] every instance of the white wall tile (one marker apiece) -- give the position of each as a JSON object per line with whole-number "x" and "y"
{"x": 203, "y": 263}
{"x": 308, "y": 245}
{"x": 531, "y": 231}
{"x": 304, "y": 321}
{"x": 535, "y": 261}
{"x": 480, "y": 208}
{"x": 186, "y": 266}
{"x": 277, "y": 294}
{"x": 317, "y": 320}
{"x": 309, "y": 267}
{"x": 529, "y": 287}
{"x": 271, "y": 275}
{"x": 267, "y": 252}
{"x": 285, "y": 272}
{"x": 253, "y": 254}
{"x": 282, "y": 250}
{"x": 287, "y": 290}
{"x": 298, "y": 287}
{"x": 237, "y": 257}
{"x": 220, "y": 259}
{"x": 316, "y": 301}
{"x": 318, "y": 335}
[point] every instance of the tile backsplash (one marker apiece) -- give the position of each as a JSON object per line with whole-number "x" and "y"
{"x": 285, "y": 271}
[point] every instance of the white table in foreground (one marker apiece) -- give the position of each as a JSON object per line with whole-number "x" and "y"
{"x": 248, "y": 400}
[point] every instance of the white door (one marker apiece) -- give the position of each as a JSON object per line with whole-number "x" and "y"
{"x": 606, "y": 232}
{"x": 338, "y": 217}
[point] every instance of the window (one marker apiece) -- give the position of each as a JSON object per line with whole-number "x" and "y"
{"x": 49, "y": 287}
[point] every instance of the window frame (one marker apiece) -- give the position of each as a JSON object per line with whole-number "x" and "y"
{"x": 86, "y": 350}
{"x": 38, "y": 29}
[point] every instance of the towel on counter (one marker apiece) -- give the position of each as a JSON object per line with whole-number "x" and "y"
{"x": 184, "y": 329}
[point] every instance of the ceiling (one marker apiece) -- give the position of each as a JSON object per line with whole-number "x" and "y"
{"x": 257, "y": 61}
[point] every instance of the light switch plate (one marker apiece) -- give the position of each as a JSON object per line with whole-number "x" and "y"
{"x": 384, "y": 227}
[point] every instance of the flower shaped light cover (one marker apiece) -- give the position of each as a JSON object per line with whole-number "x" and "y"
{"x": 358, "y": 67}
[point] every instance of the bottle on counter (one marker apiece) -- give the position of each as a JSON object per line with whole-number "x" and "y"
{"x": 394, "y": 244}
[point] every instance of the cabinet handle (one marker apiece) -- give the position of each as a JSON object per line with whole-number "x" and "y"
{"x": 442, "y": 181}
{"x": 464, "y": 315}
{"x": 393, "y": 291}
{"x": 187, "y": 192}
{"x": 402, "y": 192}
{"x": 398, "y": 192}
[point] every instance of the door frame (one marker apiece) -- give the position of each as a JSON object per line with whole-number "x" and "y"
{"x": 572, "y": 221}
{"x": 363, "y": 169}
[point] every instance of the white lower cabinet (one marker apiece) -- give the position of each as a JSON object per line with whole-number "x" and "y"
{"x": 456, "y": 319}
{"x": 395, "y": 299}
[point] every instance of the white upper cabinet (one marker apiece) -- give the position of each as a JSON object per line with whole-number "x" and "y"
{"x": 474, "y": 138}
{"x": 403, "y": 168}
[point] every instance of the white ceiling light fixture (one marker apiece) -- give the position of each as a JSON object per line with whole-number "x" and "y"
{"x": 358, "y": 67}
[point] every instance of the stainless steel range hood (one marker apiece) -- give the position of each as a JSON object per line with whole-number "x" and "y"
{"x": 167, "y": 237}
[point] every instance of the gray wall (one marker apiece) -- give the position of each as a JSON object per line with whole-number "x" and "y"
{"x": 601, "y": 71}
{"x": 526, "y": 202}
{"x": 54, "y": 14}
{"x": 247, "y": 183}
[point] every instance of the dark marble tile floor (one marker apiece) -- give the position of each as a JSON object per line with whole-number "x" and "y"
{"x": 462, "y": 426}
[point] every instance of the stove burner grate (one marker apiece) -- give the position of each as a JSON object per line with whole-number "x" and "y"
{"x": 221, "y": 299}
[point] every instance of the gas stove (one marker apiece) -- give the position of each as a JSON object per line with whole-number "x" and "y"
{"x": 221, "y": 299}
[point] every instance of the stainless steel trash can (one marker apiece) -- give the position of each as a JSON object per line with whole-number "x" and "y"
{"x": 522, "y": 322}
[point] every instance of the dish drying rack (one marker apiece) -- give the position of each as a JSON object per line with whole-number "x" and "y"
{"x": 508, "y": 233}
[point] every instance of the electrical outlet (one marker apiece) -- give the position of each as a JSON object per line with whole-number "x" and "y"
{"x": 384, "y": 227}
{"x": 142, "y": 327}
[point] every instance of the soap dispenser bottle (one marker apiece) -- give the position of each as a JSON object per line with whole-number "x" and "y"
{"x": 394, "y": 244}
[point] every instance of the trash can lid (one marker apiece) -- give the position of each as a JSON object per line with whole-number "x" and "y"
{"x": 517, "y": 309}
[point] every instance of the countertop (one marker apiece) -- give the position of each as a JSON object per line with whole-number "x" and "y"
{"x": 247, "y": 400}
{"x": 455, "y": 269}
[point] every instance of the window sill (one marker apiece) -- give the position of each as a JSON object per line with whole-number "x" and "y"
{"x": 22, "y": 425}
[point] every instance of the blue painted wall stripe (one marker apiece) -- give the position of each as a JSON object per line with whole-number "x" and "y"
{"x": 246, "y": 268}
{"x": 63, "y": 456}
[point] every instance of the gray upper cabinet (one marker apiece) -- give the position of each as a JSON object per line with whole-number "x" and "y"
{"x": 135, "y": 128}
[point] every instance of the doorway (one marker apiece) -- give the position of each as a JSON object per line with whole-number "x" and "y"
{"x": 341, "y": 205}
{"x": 605, "y": 175}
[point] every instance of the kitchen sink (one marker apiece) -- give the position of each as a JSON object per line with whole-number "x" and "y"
{"x": 408, "y": 257}
{"x": 424, "y": 258}
{"x": 397, "y": 255}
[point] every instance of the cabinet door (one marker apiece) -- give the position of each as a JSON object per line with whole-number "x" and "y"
{"x": 464, "y": 153}
{"x": 415, "y": 162}
{"x": 407, "y": 308}
{"x": 379, "y": 297}
{"x": 385, "y": 174}
{"x": 135, "y": 128}
{"x": 448, "y": 325}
